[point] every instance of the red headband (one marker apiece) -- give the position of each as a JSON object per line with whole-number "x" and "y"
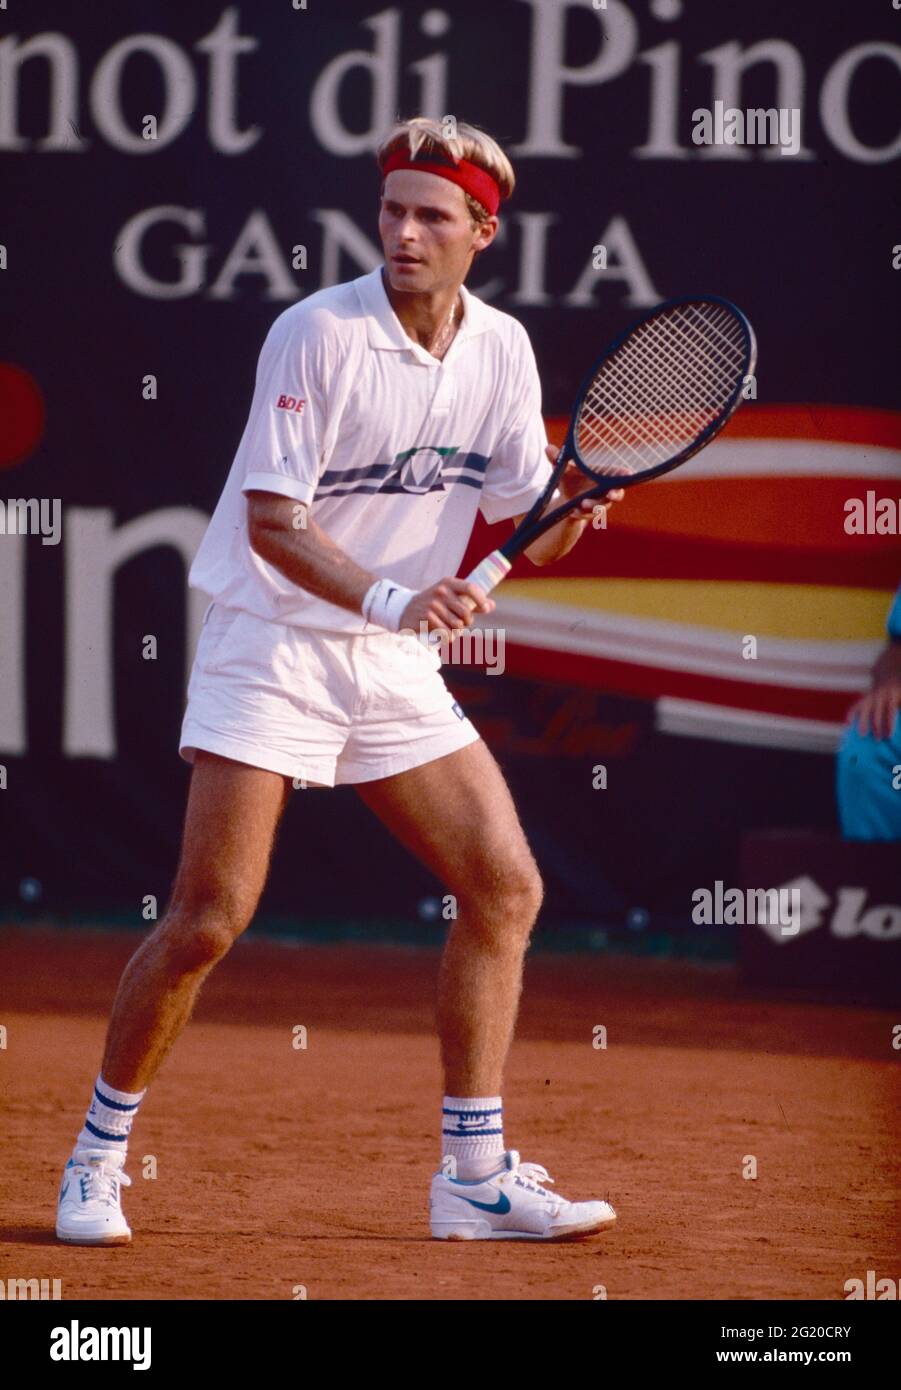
{"x": 464, "y": 174}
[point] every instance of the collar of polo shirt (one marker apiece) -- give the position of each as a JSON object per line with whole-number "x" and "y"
{"x": 386, "y": 332}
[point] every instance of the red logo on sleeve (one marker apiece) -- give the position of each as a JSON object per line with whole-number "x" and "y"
{"x": 290, "y": 403}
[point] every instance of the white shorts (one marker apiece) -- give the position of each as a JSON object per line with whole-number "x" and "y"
{"x": 323, "y": 707}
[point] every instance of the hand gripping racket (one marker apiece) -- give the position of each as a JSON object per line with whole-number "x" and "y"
{"x": 662, "y": 390}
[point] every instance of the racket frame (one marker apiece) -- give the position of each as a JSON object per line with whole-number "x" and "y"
{"x": 529, "y": 529}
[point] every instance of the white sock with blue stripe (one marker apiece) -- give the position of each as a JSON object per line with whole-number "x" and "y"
{"x": 110, "y": 1117}
{"x": 472, "y": 1134}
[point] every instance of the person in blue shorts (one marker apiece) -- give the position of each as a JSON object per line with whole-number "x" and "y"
{"x": 868, "y": 771}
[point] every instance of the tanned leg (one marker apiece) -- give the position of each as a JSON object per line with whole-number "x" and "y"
{"x": 457, "y": 816}
{"x": 232, "y": 815}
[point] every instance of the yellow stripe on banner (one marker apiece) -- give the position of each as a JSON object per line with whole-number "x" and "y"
{"x": 812, "y": 612}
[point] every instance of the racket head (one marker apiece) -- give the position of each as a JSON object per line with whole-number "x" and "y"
{"x": 661, "y": 390}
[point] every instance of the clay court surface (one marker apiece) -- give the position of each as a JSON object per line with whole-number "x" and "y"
{"x": 280, "y": 1167}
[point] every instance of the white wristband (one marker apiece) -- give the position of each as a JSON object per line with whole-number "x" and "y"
{"x": 385, "y": 602}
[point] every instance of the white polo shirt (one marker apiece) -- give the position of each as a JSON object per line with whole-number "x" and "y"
{"x": 393, "y": 450}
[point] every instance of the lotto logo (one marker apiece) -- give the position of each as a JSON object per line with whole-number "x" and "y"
{"x": 290, "y": 403}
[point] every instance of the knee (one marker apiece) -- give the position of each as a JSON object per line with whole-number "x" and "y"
{"x": 525, "y": 892}
{"x": 509, "y": 898}
{"x": 199, "y": 932}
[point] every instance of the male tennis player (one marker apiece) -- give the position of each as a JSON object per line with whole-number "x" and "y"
{"x": 386, "y": 411}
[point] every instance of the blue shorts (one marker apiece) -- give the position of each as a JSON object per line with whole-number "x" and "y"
{"x": 868, "y": 785}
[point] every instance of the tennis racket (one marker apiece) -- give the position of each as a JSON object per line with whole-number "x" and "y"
{"x": 662, "y": 390}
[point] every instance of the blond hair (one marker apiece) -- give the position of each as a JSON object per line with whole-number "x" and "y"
{"x": 421, "y": 136}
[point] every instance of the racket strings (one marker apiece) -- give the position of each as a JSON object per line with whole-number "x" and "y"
{"x": 675, "y": 343}
{"x": 661, "y": 388}
{"x": 642, "y": 413}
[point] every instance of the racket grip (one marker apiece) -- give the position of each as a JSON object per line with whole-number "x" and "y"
{"x": 490, "y": 572}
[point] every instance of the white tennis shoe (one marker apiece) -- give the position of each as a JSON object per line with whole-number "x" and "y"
{"x": 89, "y": 1210}
{"x": 512, "y": 1204}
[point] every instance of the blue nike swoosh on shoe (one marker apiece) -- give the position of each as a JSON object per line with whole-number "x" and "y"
{"x": 500, "y": 1207}
{"x": 64, "y": 1191}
